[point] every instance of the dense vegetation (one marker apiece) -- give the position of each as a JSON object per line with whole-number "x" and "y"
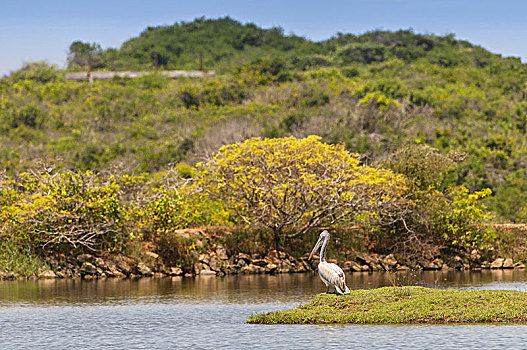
{"x": 285, "y": 185}
{"x": 448, "y": 116}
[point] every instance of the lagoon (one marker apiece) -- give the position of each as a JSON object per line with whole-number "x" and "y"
{"x": 210, "y": 313}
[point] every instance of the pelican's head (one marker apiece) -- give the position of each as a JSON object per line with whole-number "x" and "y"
{"x": 324, "y": 235}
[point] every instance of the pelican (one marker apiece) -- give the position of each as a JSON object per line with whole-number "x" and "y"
{"x": 329, "y": 273}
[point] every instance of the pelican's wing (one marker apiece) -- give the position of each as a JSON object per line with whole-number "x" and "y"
{"x": 333, "y": 275}
{"x": 341, "y": 278}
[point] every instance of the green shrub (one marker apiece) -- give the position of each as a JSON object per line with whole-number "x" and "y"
{"x": 61, "y": 211}
{"x": 19, "y": 259}
{"x": 177, "y": 250}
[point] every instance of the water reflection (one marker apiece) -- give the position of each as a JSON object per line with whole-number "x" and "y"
{"x": 247, "y": 289}
{"x": 210, "y": 313}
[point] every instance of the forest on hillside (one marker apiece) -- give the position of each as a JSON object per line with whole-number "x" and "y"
{"x": 375, "y": 93}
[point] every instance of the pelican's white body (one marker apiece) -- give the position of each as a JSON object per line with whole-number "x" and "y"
{"x": 332, "y": 275}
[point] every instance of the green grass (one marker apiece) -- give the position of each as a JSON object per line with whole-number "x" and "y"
{"x": 18, "y": 260}
{"x": 405, "y": 305}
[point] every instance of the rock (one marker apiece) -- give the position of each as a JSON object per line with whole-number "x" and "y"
{"x": 351, "y": 266}
{"x": 152, "y": 255}
{"x": 508, "y": 264}
{"x": 250, "y": 269}
{"x": 159, "y": 274}
{"x": 99, "y": 262}
{"x": 456, "y": 263}
{"x": 474, "y": 255}
{"x": 256, "y": 268}
{"x": 175, "y": 271}
{"x": 306, "y": 265}
{"x": 365, "y": 259}
{"x": 221, "y": 252}
{"x": 256, "y": 256}
{"x": 272, "y": 268}
{"x": 429, "y": 265}
{"x": 207, "y": 273}
{"x": 376, "y": 267}
{"x": 519, "y": 265}
{"x": 438, "y": 262}
{"x": 123, "y": 265}
{"x": 114, "y": 273}
{"x": 285, "y": 266}
{"x": 245, "y": 257}
{"x": 299, "y": 267}
{"x": 88, "y": 268}
{"x": 111, "y": 269}
{"x": 197, "y": 267}
{"x": 389, "y": 262}
{"x": 272, "y": 254}
{"x": 144, "y": 270}
{"x": 48, "y": 274}
{"x": 85, "y": 258}
{"x": 204, "y": 258}
{"x": 246, "y": 270}
{"x": 371, "y": 260}
{"x": 260, "y": 262}
{"x": 61, "y": 274}
{"x": 485, "y": 265}
{"x": 414, "y": 265}
{"x": 497, "y": 264}
{"x": 232, "y": 269}
{"x": 217, "y": 265}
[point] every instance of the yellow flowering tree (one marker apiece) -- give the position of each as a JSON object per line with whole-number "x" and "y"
{"x": 297, "y": 184}
{"x": 66, "y": 209}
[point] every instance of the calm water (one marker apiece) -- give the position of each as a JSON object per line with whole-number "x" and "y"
{"x": 209, "y": 313}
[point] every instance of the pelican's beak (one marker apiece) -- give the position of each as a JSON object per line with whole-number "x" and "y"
{"x": 315, "y": 248}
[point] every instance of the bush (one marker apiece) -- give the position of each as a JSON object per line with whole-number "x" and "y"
{"x": 296, "y": 184}
{"x": 176, "y": 250}
{"x": 423, "y": 165}
{"x": 462, "y": 217}
{"x": 41, "y": 72}
{"x": 62, "y": 211}
{"x": 435, "y": 219}
{"x": 19, "y": 259}
{"x": 168, "y": 201}
{"x": 362, "y": 53}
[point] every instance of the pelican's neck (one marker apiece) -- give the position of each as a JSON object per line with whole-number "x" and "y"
{"x": 323, "y": 250}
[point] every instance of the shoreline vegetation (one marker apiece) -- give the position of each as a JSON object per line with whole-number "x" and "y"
{"x": 268, "y": 199}
{"x": 406, "y": 305}
{"x": 406, "y": 147}
{"x": 216, "y": 260}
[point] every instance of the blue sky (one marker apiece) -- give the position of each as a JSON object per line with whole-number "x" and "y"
{"x": 43, "y": 30}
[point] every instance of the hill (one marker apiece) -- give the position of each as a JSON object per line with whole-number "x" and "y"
{"x": 224, "y": 44}
{"x": 374, "y": 92}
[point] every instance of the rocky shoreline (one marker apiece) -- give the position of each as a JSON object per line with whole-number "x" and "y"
{"x": 217, "y": 262}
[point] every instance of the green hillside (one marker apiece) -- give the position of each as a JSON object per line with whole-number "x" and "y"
{"x": 224, "y": 44}
{"x": 374, "y": 92}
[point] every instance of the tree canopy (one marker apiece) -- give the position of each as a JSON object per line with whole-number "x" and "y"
{"x": 297, "y": 184}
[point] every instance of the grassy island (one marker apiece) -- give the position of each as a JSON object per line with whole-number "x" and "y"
{"x": 391, "y": 305}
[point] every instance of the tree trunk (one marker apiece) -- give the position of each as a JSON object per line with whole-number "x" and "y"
{"x": 277, "y": 240}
